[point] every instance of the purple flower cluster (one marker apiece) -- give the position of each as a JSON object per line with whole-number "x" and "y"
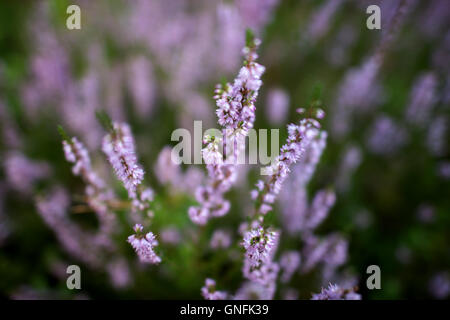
{"x": 209, "y": 291}
{"x": 300, "y": 136}
{"x": 334, "y": 292}
{"x": 236, "y": 103}
{"x": 259, "y": 244}
{"x": 144, "y": 245}
{"x": 118, "y": 146}
{"x": 236, "y": 114}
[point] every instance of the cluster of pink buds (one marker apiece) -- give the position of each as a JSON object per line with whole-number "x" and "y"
{"x": 144, "y": 245}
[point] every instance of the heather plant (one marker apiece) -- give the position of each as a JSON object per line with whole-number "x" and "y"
{"x": 361, "y": 177}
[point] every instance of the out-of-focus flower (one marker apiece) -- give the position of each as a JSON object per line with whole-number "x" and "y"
{"x": 87, "y": 247}
{"x": 350, "y": 161}
{"x": 119, "y": 273}
{"x": 330, "y": 250}
{"x": 422, "y": 99}
{"x": 277, "y": 106}
{"x": 166, "y": 170}
{"x": 334, "y": 292}
{"x": 444, "y": 169}
{"x": 436, "y": 137}
{"x": 209, "y": 291}
{"x": 255, "y": 13}
{"x": 141, "y": 85}
{"x": 22, "y": 172}
{"x": 170, "y": 235}
{"x": 357, "y": 92}
{"x": 386, "y": 136}
{"x": 220, "y": 239}
{"x": 289, "y": 263}
{"x": 439, "y": 285}
{"x": 251, "y": 290}
{"x": 96, "y": 191}
{"x": 322, "y": 20}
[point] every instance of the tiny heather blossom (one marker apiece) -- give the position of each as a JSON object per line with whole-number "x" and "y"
{"x": 119, "y": 148}
{"x": 144, "y": 245}
{"x": 209, "y": 291}
{"x": 334, "y": 292}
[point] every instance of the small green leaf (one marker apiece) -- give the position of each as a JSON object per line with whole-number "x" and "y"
{"x": 249, "y": 37}
{"x": 63, "y": 133}
{"x": 104, "y": 119}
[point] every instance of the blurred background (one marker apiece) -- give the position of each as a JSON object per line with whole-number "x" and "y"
{"x": 154, "y": 65}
